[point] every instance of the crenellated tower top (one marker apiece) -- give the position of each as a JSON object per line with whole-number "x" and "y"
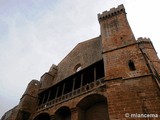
{"x": 115, "y": 29}
{"x": 143, "y": 39}
{"x": 112, "y": 12}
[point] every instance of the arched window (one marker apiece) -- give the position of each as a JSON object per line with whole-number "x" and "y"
{"x": 78, "y": 67}
{"x": 131, "y": 65}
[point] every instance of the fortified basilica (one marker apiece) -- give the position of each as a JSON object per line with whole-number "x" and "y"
{"x": 108, "y": 77}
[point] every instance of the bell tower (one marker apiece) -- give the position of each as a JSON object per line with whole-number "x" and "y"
{"x": 115, "y": 30}
{"x": 121, "y": 54}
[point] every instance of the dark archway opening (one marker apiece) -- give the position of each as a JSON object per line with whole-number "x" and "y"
{"x": 93, "y": 107}
{"x": 43, "y": 116}
{"x": 63, "y": 113}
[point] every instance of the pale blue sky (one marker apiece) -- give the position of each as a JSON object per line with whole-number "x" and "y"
{"x": 34, "y": 34}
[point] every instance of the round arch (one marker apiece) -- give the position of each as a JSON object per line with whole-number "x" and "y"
{"x": 63, "y": 113}
{"x": 42, "y": 116}
{"x": 93, "y": 107}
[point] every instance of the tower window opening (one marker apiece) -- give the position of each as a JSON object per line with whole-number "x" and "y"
{"x": 131, "y": 65}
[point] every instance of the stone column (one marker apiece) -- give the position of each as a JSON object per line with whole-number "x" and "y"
{"x": 74, "y": 114}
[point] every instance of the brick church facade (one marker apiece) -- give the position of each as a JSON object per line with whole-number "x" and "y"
{"x": 100, "y": 79}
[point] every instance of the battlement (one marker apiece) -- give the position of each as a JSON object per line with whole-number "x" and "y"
{"x": 143, "y": 39}
{"x": 112, "y": 12}
{"x": 53, "y": 67}
{"x": 34, "y": 83}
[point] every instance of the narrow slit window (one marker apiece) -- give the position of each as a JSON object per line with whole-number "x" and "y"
{"x": 131, "y": 65}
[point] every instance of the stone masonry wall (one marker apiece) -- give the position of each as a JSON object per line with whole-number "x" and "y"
{"x": 135, "y": 95}
{"x": 85, "y": 53}
{"x": 116, "y": 63}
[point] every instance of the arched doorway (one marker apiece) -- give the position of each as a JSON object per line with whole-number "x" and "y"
{"x": 63, "y": 113}
{"x": 42, "y": 116}
{"x": 93, "y": 107}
